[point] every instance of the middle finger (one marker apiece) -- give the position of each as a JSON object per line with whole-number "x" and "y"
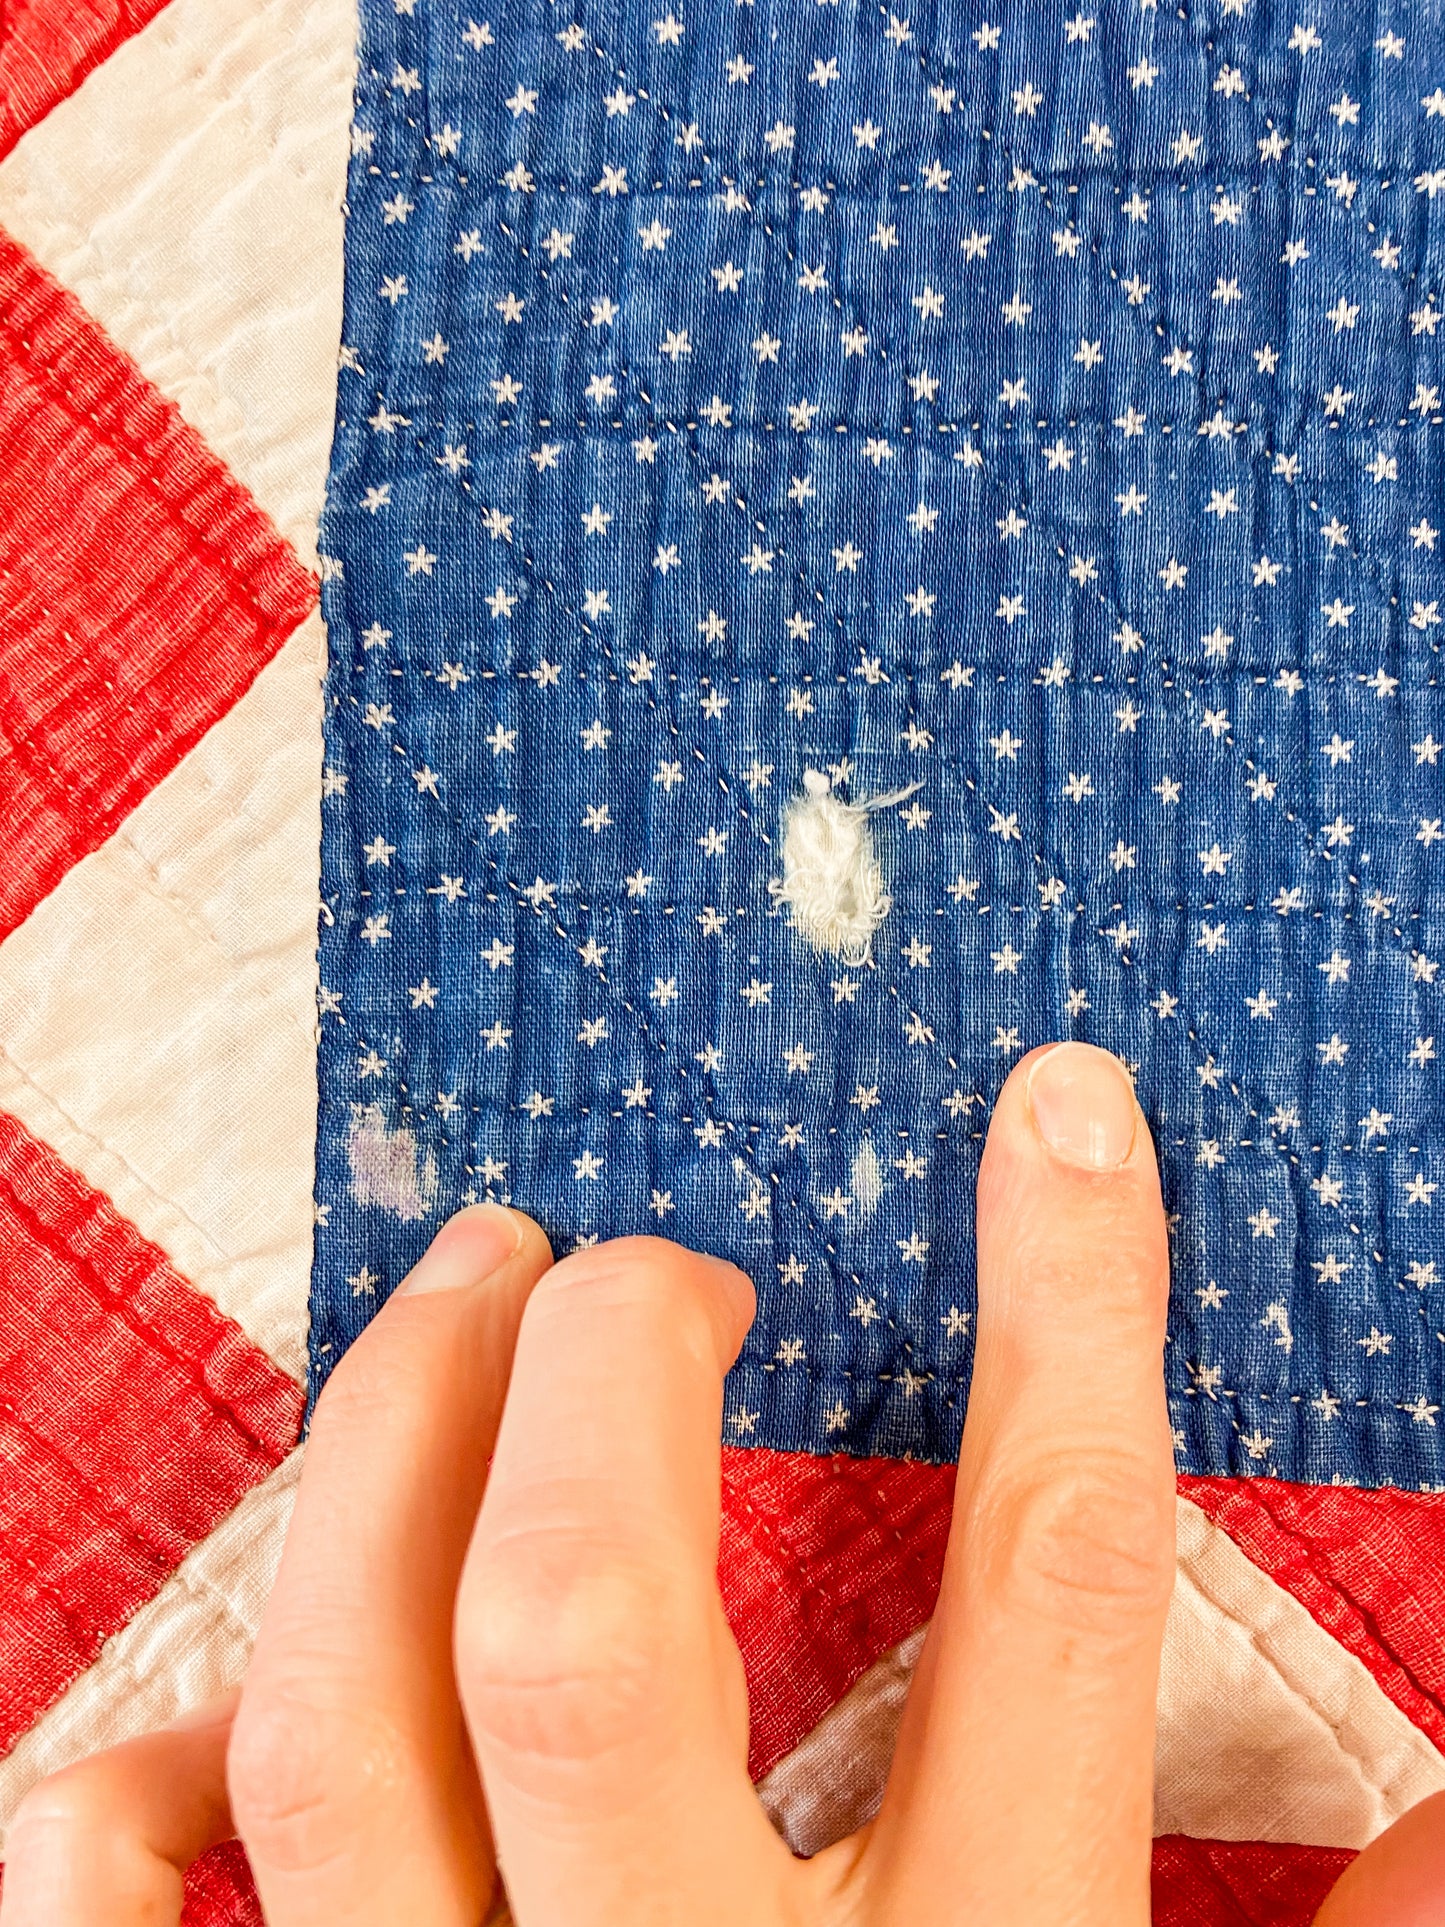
{"x": 602, "y": 1685}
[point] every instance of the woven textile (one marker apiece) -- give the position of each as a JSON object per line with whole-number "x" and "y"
{"x": 160, "y": 168}
{"x": 1030, "y": 423}
{"x": 1020, "y": 425}
{"x": 116, "y": 522}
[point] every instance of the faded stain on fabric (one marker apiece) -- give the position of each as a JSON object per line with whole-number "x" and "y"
{"x": 866, "y": 1178}
{"x": 384, "y": 1166}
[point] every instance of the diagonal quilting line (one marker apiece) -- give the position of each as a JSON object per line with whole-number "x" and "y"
{"x": 1372, "y": 568}
{"x": 1027, "y": 461}
{"x": 1140, "y": 320}
{"x": 1139, "y": 316}
{"x": 1006, "y": 150}
{"x": 667, "y": 114}
{"x": 1307, "y": 839}
{"x": 1251, "y": 1104}
{"x": 743, "y": 1131}
{"x": 1247, "y": 1099}
{"x": 973, "y": 774}
{"x": 1198, "y": 30}
{"x": 1045, "y": 523}
{"x": 1097, "y": 246}
{"x": 904, "y": 430}
{"x": 972, "y": 771}
{"x": 543, "y": 583}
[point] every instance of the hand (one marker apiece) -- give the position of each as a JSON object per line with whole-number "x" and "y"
{"x": 531, "y": 1662}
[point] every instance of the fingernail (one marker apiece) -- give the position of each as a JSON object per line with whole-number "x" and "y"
{"x": 1083, "y": 1106}
{"x": 467, "y": 1249}
{"x": 738, "y": 1286}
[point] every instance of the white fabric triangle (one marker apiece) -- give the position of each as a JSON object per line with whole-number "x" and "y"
{"x": 1268, "y": 1729}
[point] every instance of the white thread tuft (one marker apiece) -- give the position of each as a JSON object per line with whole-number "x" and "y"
{"x": 831, "y": 877}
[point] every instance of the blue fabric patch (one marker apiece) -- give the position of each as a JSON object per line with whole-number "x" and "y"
{"x": 1043, "y": 411}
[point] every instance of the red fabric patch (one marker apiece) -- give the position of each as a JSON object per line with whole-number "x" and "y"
{"x": 144, "y": 589}
{"x": 1241, "y": 1883}
{"x": 47, "y": 47}
{"x": 827, "y": 1563}
{"x": 220, "y": 1891}
{"x": 133, "y": 1418}
{"x": 824, "y": 1565}
{"x": 1196, "y": 1883}
{"x": 1369, "y": 1566}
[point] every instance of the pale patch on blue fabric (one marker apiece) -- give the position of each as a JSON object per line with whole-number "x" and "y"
{"x": 1039, "y": 407}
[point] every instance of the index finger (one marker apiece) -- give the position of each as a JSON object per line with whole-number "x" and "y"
{"x": 1023, "y": 1780}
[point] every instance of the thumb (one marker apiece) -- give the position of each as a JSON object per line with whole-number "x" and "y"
{"x": 1399, "y": 1880}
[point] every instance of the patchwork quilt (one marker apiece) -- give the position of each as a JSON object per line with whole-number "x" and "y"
{"x": 856, "y": 542}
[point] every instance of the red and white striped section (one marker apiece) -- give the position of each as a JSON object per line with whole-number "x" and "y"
{"x": 170, "y": 300}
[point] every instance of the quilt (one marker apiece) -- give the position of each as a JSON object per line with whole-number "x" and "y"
{"x": 856, "y": 542}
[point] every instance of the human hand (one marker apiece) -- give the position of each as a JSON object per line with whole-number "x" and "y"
{"x": 530, "y": 1663}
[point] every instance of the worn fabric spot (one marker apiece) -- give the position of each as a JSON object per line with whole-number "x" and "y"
{"x": 831, "y": 879}
{"x": 385, "y": 1169}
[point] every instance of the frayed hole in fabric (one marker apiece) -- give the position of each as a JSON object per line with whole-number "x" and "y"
{"x": 831, "y": 880}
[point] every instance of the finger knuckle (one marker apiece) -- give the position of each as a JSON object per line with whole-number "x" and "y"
{"x": 562, "y": 1644}
{"x": 59, "y": 1814}
{"x": 644, "y": 1280}
{"x": 1090, "y": 1546}
{"x": 373, "y": 1380}
{"x": 303, "y": 1776}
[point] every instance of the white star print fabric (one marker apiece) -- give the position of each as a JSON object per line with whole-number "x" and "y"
{"x": 859, "y": 544}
